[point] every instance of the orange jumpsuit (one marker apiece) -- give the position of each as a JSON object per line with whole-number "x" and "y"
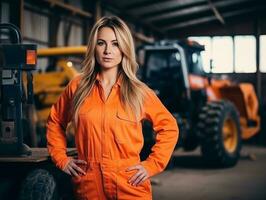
{"x": 110, "y": 139}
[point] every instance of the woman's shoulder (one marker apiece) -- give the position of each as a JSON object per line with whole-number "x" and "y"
{"x": 73, "y": 83}
{"x": 147, "y": 90}
{"x": 149, "y": 94}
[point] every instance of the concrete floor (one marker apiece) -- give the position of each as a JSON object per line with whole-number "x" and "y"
{"x": 191, "y": 180}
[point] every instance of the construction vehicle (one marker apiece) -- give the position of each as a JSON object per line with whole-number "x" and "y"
{"x": 25, "y": 173}
{"x": 213, "y": 113}
{"x": 59, "y": 70}
{"x": 59, "y": 73}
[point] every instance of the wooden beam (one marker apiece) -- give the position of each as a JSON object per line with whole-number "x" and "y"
{"x": 238, "y": 25}
{"x": 33, "y": 40}
{"x": 86, "y": 23}
{"x": 47, "y": 13}
{"x": 74, "y": 10}
{"x": 53, "y": 27}
{"x": 98, "y": 10}
{"x": 66, "y": 34}
{"x": 160, "y": 6}
{"x": 136, "y": 3}
{"x": 191, "y": 10}
{"x": 216, "y": 12}
{"x": 124, "y": 15}
{"x": 210, "y": 18}
{"x": 143, "y": 38}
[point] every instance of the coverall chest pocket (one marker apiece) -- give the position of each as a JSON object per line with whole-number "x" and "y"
{"x": 126, "y": 125}
{"x": 89, "y": 106}
{"x": 86, "y": 107}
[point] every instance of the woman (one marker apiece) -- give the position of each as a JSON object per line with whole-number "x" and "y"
{"x": 107, "y": 103}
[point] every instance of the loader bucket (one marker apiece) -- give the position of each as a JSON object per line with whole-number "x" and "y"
{"x": 244, "y": 98}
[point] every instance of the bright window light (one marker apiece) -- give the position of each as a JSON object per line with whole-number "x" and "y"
{"x": 222, "y": 54}
{"x": 263, "y": 53}
{"x": 206, "y": 55}
{"x": 245, "y": 54}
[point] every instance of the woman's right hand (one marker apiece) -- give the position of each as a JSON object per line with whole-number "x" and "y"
{"x": 73, "y": 169}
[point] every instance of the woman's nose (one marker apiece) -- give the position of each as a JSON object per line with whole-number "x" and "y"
{"x": 107, "y": 49}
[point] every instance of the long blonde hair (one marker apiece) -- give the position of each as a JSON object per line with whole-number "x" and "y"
{"x": 132, "y": 89}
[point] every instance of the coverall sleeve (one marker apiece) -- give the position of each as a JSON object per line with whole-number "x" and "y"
{"x": 165, "y": 126}
{"x": 57, "y": 122}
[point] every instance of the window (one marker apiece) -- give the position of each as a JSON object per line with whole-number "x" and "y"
{"x": 195, "y": 63}
{"x": 245, "y": 54}
{"x": 206, "y": 54}
{"x": 163, "y": 64}
{"x": 263, "y": 53}
{"x": 174, "y": 60}
{"x": 156, "y": 62}
{"x": 220, "y": 50}
{"x": 222, "y": 54}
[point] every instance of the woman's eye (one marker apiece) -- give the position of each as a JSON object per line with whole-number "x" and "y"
{"x": 100, "y": 43}
{"x": 115, "y": 44}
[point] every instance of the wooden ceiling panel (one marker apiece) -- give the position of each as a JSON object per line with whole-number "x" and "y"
{"x": 170, "y": 16}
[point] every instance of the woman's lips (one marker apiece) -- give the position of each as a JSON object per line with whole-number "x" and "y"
{"x": 107, "y": 59}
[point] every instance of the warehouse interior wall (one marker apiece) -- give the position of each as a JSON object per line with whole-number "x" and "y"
{"x": 70, "y": 29}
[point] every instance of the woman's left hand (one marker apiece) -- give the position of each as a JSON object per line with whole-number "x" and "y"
{"x": 140, "y": 176}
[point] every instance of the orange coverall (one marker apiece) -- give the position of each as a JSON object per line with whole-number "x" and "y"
{"x": 110, "y": 139}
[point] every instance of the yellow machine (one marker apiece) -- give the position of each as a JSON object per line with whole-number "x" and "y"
{"x": 47, "y": 87}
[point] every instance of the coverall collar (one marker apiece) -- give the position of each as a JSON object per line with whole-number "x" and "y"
{"x": 118, "y": 80}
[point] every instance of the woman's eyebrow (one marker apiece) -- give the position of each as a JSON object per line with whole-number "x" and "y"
{"x": 105, "y": 40}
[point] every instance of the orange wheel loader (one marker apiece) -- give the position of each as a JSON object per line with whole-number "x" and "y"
{"x": 215, "y": 114}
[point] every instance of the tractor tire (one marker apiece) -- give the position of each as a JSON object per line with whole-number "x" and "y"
{"x": 220, "y": 134}
{"x": 190, "y": 143}
{"x": 185, "y": 139}
{"x": 39, "y": 184}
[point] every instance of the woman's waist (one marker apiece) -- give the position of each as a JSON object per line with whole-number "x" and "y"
{"x": 110, "y": 164}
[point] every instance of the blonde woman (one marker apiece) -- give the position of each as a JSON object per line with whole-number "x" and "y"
{"x": 107, "y": 103}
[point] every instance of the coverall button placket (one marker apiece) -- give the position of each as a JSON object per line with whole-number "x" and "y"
{"x": 103, "y": 135}
{"x": 105, "y": 126}
{"x": 108, "y": 174}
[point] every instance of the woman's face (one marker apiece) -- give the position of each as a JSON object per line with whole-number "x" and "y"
{"x": 107, "y": 52}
